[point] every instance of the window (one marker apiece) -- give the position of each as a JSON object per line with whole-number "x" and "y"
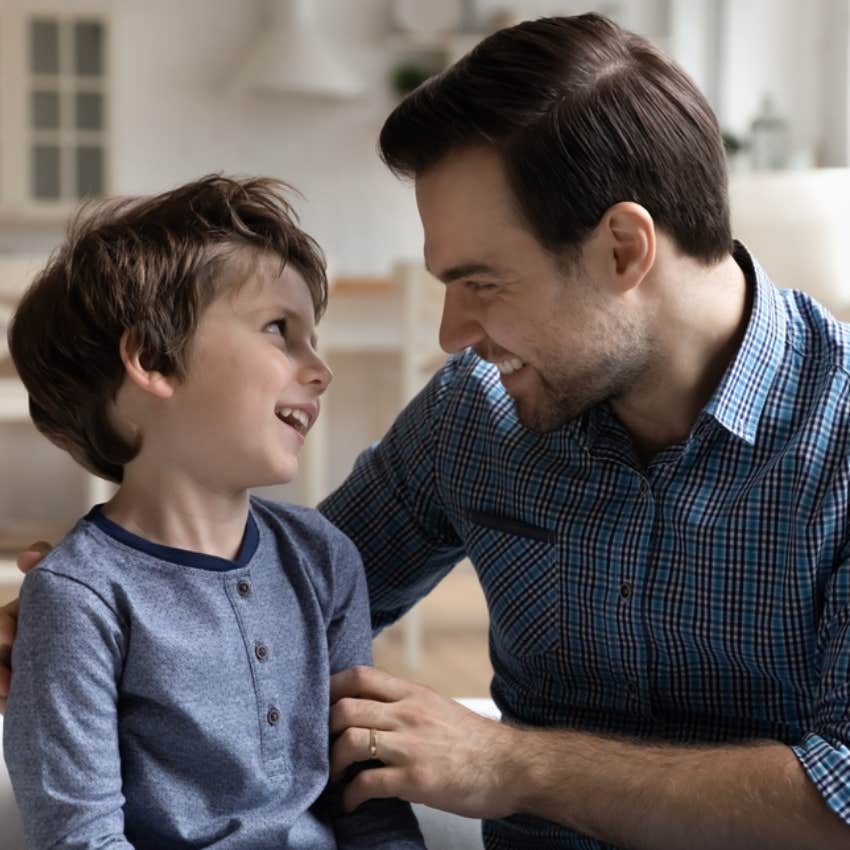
{"x": 54, "y": 106}
{"x": 67, "y": 115}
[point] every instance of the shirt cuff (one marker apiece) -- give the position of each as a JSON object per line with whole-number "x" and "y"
{"x": 827, "y": 764}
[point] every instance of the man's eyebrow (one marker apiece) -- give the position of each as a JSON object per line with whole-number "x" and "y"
{"x": 466, "y": 270}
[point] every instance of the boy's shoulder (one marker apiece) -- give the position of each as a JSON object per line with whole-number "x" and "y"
{"x": 323, "y": 551}
{"x": 77, "y": 567}
{"x": 78, "y": 555}
{"x": 306, "y": 527}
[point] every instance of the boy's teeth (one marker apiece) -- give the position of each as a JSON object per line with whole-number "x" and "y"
{"x": 299, "y": 416}
{"x": 509, "y": 366}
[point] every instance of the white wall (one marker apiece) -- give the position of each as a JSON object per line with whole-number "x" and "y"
{"x": 775, "y": 47}
{"x": 174, "y": 120}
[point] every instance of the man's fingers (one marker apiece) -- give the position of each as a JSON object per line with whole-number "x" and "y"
{"x": 368, "y": 682}
{"x": 32, "y": 555}
{"x": 8, "y": 625}
{"x": 354, "y": 745}
{"x": 378, "y": 782}
{"x": 5, "y": 680}
{"x": 350, "y": 711}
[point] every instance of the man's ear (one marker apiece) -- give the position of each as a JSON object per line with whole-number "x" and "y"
{"x": 628, "y": 241}
{"x": 155, "y": 383}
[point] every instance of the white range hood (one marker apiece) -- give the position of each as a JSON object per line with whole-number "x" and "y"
{"x": 292, "y": 56}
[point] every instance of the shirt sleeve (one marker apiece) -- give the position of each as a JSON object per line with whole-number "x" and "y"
{"x": 824, "y": 751}
{"x": 379, "y": 824}
{"x": 60, "y": 734}
{"x": 391, "y": 507}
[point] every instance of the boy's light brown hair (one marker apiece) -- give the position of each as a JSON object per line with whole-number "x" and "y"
{"x": 147, "y": 265}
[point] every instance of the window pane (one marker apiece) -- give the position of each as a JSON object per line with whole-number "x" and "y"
{"x": 45, "y": 172}
{"x": 89, "y": 111}
{"x": 45, "y": 110}
{"x": 89, "y": 171}
{"x": 44, "y": 47}
{"x": 88, "y": 47}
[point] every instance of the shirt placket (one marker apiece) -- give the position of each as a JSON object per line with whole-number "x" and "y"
{"x": 248, "y": 604}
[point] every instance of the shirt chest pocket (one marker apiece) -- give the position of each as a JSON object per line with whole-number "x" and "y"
{"x": 518, "y": 568}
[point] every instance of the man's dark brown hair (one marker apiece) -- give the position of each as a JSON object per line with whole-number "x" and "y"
{"x": 584, "y": 115}
{"x": 147, "y": 265}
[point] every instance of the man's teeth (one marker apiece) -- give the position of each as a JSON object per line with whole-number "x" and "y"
{"x": 506, "y": 367}
{"x": 299, "y": 416}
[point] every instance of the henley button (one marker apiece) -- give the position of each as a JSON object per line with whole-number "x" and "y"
{"x": 261, "y": 651}
{"x": 273, "y": 716}
{"x": 244, "y": 587}
{"x": 644, "y": 486}
{"x": 625, "y": 590}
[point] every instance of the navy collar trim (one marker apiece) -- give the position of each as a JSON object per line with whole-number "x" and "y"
{"x": 185, "y": 557}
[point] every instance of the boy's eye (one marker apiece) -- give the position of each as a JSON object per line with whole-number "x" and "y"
{"x": 278, "y": 326}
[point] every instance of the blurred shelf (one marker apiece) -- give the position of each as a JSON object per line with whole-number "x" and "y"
{"x": 14, "y": 402}
{"x": 9, "y": 572}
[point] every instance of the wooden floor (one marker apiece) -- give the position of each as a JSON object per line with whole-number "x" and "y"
{"x": 454, "y": 657}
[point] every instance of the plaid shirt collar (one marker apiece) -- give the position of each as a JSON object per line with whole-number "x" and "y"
{"x": 739, "y": 400}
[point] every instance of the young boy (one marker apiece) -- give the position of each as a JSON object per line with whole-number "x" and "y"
{"x": 172, "y": 663}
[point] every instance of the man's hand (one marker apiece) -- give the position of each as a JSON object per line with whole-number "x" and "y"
{"x": 9, "y": 619}
{"x": 434, "y": 751}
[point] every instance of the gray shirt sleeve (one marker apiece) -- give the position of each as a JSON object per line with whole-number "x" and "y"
{"x": 378, "y": 823}
{"x": 60, "y": 735}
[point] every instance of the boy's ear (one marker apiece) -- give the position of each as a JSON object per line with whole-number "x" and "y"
{"x": 159, "y": 385}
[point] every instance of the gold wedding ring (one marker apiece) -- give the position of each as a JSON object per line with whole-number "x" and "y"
{"x": 373, "y": 743}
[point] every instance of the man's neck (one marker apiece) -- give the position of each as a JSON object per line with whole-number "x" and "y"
{"x": 701, "y": 320}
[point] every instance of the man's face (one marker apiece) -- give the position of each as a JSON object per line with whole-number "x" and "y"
{"x": 561, "y": 337}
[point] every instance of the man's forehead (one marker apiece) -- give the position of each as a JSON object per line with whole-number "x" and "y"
{"x": 473, "y": 177}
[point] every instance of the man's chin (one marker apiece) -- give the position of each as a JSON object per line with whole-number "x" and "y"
{"x": 543, "y": 420}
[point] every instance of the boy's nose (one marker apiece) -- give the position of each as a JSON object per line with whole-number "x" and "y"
{"x": 316, "y": 372}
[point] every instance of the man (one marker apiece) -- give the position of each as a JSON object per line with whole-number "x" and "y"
{"x": 642, "y": 446}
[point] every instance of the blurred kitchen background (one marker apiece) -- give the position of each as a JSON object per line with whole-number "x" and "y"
{"x": 135, "y": 96}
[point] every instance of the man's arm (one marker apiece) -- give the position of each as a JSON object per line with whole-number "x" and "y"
{"x": 9, "y": 620}
{"x": 637, "y": 795}
{"x": 392, "y": 508}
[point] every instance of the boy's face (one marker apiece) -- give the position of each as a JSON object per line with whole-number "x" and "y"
{"x": 252, "y": 387}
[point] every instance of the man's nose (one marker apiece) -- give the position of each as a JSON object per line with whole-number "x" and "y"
{"x": 459, "y": 327}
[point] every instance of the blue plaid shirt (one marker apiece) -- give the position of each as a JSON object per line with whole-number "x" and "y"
{"x": 705, "y": 598}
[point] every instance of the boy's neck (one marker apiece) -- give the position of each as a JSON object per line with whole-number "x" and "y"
{"x": 183, "y": 518}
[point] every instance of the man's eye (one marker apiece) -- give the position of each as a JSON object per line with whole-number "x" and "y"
{"x": 477, "y": 286}
{"x": 276, "y": 327}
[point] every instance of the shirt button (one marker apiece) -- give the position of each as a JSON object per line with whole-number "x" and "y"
{"x": 631, "y": 688}
{"x": 644, "y": 486}
{"x": 261, "y": 651}
{"x": 272, "y": 716}
{"x": 625, "y": 590}
{"x": 243, "y": 588}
